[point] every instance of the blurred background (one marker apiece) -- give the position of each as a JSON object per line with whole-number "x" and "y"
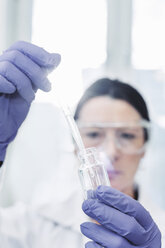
{"x": 115, "y": 38}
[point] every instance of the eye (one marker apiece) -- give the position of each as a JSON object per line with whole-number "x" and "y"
{"x": 128, "y": 136}
{"x": 93, "y": 135}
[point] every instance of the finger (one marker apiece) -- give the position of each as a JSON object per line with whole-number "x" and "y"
{"x": 37, "y": 54}
{"x": 116, "y": 221}
{"x": 18, "y": 79}
{"x": 125, "y": 204}
{"x": 27, "y": 66}
{"x": 6, "y": 86}
{"x": 92, "y": 244}
{"x": 103, "y": 236}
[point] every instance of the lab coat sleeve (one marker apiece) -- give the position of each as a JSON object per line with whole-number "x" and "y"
{"x": 18, "y": 224}
{"x": 23, "y": 227}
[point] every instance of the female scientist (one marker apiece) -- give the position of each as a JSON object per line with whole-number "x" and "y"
{"x": 113, "y": 117}
{"x": 124, "y": 222}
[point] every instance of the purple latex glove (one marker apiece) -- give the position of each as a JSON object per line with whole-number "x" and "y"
{"x": 124, "y": 222}
{"x": 23, "y": 69}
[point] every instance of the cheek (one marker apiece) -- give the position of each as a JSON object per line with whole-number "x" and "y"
{"x": 128, "y": 167}
{"x": 130, "y": 164}
{"x": 86, "y": 143}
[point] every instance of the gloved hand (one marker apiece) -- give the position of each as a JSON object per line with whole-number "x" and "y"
{"x": 124, "y": 223}
{"x": 23, "y": 69}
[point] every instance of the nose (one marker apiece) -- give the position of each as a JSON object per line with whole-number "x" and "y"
{"x": 110, "y": 148}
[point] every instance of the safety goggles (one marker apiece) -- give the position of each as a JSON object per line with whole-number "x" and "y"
{"x": 128, "y": 137}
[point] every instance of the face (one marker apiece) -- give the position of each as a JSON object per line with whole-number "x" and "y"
{"x": 117, "y": 137}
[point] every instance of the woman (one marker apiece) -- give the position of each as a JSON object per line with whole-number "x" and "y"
{"x": 114, "y": 117}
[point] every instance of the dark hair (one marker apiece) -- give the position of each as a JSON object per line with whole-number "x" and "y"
{"x": 116, "y": 90}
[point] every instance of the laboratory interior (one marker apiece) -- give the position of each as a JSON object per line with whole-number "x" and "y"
{"x": 116, "y": 39}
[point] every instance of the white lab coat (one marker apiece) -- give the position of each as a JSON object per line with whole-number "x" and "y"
{"x": 26, "y": 228}
{"x": 45, "y": 179}
{"x": 42, "y": 174}
{"x": 50, "y": 226}
{"x": 54, "y": 224}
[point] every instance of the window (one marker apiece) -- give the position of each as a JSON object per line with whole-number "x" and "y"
{"x": 77, "y": 30}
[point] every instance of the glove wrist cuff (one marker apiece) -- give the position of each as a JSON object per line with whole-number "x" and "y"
{"x": 3, "y": 148}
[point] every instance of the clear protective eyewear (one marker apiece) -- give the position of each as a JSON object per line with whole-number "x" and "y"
{"x": 128, "y": 137}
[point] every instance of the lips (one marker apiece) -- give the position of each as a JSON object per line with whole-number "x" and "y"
{"x": 113, "y": 174}
{"x": 110, "y": 166}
